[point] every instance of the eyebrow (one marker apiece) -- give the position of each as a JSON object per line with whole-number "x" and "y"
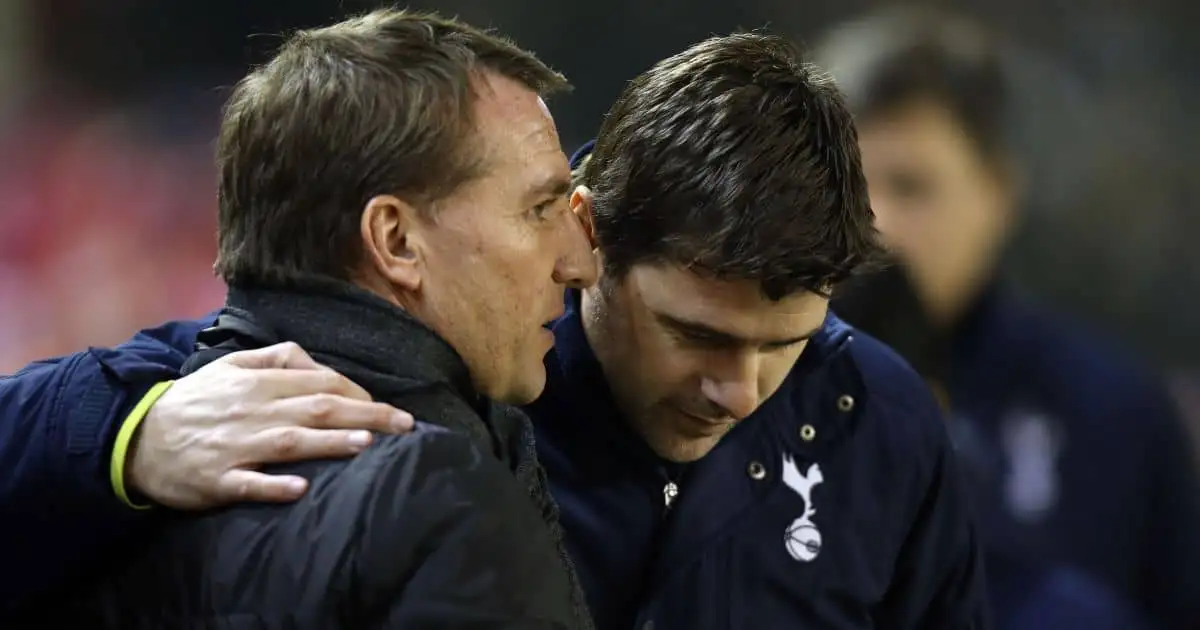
{"x": 556, "y": 185}
{"x": 705, "y": 331}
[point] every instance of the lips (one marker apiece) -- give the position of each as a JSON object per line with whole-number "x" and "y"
{"x": 713, "y": 420}
{"x": 696, "y": 427}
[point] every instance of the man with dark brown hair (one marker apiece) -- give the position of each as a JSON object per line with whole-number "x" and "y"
{"x": 393, "y": 198}
{"x": 738, "y": 457}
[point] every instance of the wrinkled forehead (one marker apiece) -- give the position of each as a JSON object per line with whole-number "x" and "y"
{"x": 516, "y": 135}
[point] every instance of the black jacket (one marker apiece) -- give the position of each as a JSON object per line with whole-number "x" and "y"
{"x": 449, "y": 527}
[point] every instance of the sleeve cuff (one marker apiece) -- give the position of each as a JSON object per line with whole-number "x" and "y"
{"x": 125, "y": 438}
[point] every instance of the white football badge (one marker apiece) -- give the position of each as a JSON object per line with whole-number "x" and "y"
{"x": 802, "y": 538}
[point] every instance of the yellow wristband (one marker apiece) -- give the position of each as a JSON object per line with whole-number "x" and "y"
{"x": 116, "y": 469}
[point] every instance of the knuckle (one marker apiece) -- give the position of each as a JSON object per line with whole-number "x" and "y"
{"x": 245, "y": 383}
{"x": 238, "y": 410}
{"x": 288, "y": 442}
{"x": 323, "y": 408}
{"x": 290, "y": 349}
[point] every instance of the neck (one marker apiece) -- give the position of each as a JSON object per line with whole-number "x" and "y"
{"x": 604, "y": 334}
{"x": 590, "y": 314}
{"x": 951, "y": 300}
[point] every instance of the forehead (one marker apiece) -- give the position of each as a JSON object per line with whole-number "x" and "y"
{"x": 921, "y": 132}
{"x": 516, "y": 130}
{"x": 735, "y": 306}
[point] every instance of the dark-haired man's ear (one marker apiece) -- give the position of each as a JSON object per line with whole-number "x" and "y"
{"x": 392, "y": 242}
{"x": 581, "y": 207}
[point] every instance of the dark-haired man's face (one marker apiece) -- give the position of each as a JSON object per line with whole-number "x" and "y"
{"x": 687, "y": 357}
{"x": 938, "y": 202}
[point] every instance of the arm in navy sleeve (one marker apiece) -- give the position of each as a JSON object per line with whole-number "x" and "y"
{"x": 59, "y": 516}
{"x": 939, "y": 572}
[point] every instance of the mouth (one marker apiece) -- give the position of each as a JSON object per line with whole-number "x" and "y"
{"x": 709, "y": 420}
{"x": 699, "y": 427}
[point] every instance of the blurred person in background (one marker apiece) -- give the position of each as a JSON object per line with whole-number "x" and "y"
{"x": 1076, "y": 455}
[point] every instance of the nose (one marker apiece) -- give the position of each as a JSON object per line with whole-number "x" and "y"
{"x": 735, "y": 389}
{"x": 576, "y": 266}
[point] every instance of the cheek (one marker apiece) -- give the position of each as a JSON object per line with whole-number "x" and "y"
{"x": 773, "y": 369}
{"x": 661, "y": 364}
{"x": 510, "y": 262}
{"x": 487, "y": 279}
{"x": 923, "y": 228}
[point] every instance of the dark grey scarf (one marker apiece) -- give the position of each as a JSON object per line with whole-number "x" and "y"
{"x": 390, "y": 354}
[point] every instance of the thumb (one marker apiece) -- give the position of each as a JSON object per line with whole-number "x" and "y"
{"x": 286, "y": 355}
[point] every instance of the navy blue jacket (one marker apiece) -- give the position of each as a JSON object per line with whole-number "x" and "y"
{"x": 897, "y": 547}
{"x": 59, "y": 517}
{"x": 1078, "y": 455}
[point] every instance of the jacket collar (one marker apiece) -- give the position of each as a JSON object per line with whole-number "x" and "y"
{"x": 581, "y": 153}
{"x": 345, "y": 327}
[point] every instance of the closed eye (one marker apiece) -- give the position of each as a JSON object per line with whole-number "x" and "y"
{"x": 547, "y": 208}
{"x": 703, "y": 336}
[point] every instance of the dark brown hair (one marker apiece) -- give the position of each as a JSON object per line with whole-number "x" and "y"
{"x": 378, "y": 104}
{"x": 737, "y": 159}
{"x": 901, "y": 56}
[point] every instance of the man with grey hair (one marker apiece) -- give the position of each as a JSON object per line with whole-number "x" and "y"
{"x": 392, "y": 197}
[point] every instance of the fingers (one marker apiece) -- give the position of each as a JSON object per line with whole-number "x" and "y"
{"x": 322, "y": 426}
{"x": 272, "y": 383}
{"x": 287, "y": 355}
{"x": 324, "y": 411}
{"x": 285, "y": 370}
{"x": 236, "y": 486}
{"x": 292, "y": 444}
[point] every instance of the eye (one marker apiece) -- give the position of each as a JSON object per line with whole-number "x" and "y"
{"x": 779, "y": 347}
{"x": 910, "y": 186}
{"x": 547, "y": 208}
{"x": 699, "y": 340}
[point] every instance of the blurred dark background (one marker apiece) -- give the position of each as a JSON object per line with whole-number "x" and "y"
{"x": 107, "y": 111}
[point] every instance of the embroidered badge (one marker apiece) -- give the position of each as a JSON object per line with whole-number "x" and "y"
{"x": 802, "y": 539}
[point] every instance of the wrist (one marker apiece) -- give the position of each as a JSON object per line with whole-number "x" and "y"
{"x": 122, "y": 469}
{"x": 132, "y": 483}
